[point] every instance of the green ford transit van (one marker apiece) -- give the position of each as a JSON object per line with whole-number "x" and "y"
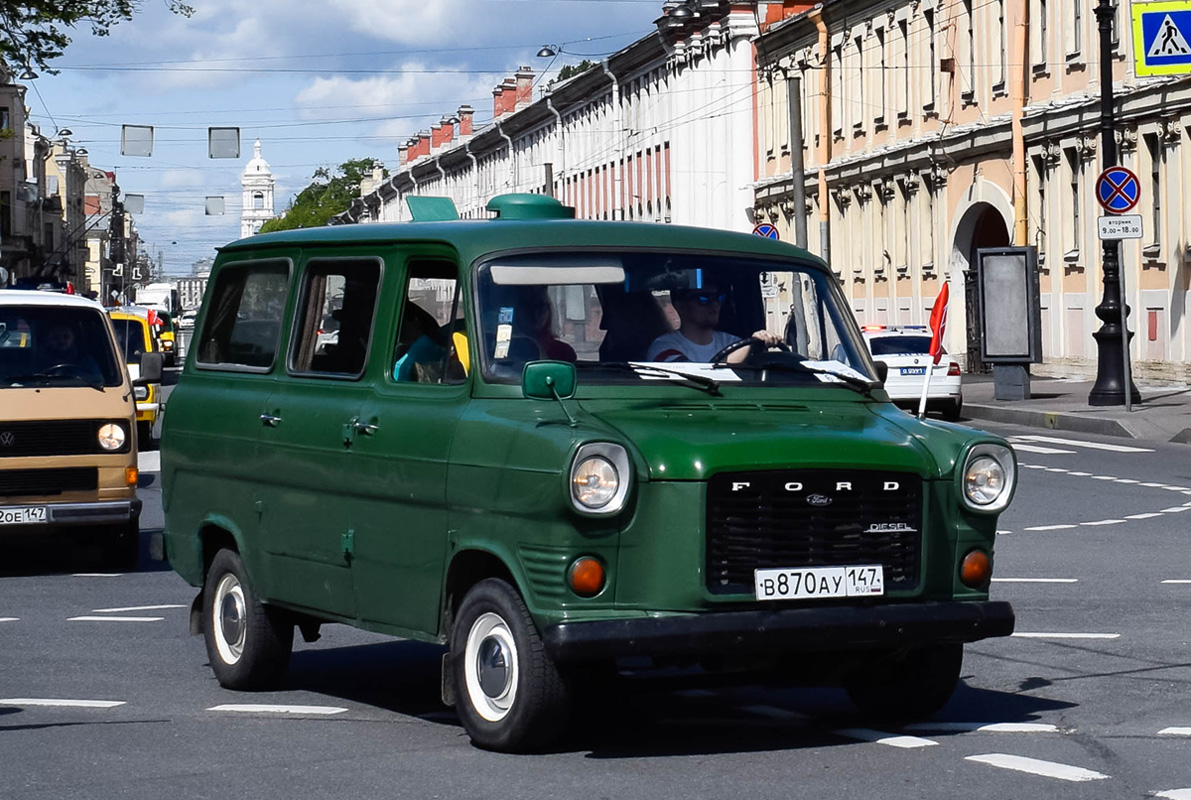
{"x": 556, "y": 446}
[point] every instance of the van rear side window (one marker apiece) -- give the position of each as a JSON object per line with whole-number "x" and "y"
{"x": 336, "y": 311}
{"x": 243, "y": 323}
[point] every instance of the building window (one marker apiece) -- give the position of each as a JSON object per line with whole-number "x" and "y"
{"x": 858, "y": 94}
{"x": 837, "y": 93}
{"x": 1074, "y": 168}
{"x": 5, "y": 119}
{"x": 1075, "y": 33}
{"x": 258, "y": 201}
{"x": 933, "y": 55}
{"x": 882, "y": 97}
{"x": 1154, "y": 149}
{"x": 970, "y": 56}
{"x": 1040, "y": 31}
{"x": 1002, "y": 50}
{"x": 903, "y": 105}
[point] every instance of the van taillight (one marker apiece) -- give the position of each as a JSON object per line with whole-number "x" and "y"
{"x": 953, "y": 370}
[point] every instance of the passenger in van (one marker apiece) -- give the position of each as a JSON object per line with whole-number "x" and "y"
{"x": 421, "y": 347}
{"x": 533, "y": 318}
{"x": 697, "y": 338}
{"x": 61, "y": 349}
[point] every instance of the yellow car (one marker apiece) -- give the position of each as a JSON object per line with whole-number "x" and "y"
{"x": 135, "y": 336}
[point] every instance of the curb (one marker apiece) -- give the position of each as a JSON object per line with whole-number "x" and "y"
{"x": 1051, "y": 420}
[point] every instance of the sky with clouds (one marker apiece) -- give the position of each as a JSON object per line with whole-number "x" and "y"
{"x": 319, "y": 82}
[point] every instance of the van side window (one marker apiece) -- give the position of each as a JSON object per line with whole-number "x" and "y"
{"x": 243, "y": 322}
{"x": 431, "y": 324}
{"x": 335, "y": 313}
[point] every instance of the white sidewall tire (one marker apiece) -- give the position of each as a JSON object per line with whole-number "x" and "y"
{"x": 492, "y": 709}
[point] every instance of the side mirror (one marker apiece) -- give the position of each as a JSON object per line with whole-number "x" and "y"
{"x": 548, "y": 380}
{"x": 882, "y": 371}
{"x": 150, "y": 368}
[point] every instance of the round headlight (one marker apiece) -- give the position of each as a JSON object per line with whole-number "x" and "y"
{"x": 111, "y": 436}
{"x": 988, "y": 477}
{"x": 594, "y": 482}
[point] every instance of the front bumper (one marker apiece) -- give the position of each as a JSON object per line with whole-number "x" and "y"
{"x": 85, "y": 513}
{"x": 784, "y": 630}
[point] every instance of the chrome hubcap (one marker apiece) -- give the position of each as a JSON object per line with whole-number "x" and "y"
{"x": 493, "y": 666}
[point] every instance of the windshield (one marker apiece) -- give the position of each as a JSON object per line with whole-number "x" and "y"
{"x": 899, "y": 345}
{"x": 605, "y": 311}
{"x": 130, "y": 337}
{"x": 56, "y": 346}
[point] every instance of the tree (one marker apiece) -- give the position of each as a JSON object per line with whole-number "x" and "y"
{"x": 571, "y": 70}
{"x": 35, "y": 32}
{"x": 329, "y": 194}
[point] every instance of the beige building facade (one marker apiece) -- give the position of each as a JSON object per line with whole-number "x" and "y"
{"x": 933, "y": 128}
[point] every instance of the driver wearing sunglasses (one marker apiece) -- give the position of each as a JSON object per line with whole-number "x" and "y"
{"x": 697, "y": 338}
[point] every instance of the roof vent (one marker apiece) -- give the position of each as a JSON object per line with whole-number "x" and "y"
{"x": 431, "y": 209}
{"x": 529, "y": 206}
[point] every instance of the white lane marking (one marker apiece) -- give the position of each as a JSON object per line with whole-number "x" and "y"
{"x": 1054, "y": 469}
{"x": 1175, "y": 510}
{"x": 133, "y": 608}
{"x": 984, "y": 727}
{"x": 1175, "y": 794}
{"x": 42, "y": 701}
{"x": 1103, "y": 478}
{"x": 149, "y": 462}
{"x": 1040, "y": 635}
{"x": 1104, "y": 522}
{"x": 1034, "y": 766}
{"x": 1050, "y": 527}
{"x": 1081, "y": 474}
{"x": 1127, "y": 480}
{"x": 1115, "y": 448}
{"x": 10, "y": 619}
{"x": 1004, "y": 533}
{"x": 1037, "y": 448}
{"x": 1150, "y": 515}
{"x": 98, "y": 575}
{"x": 1035, "y": 580}
{"x": 1154, "y": 485}
{"x": 114, "y": 619}
{"x": 1175, "y": 732}
{"x": 269, "y": 709}
{"x": 866, "y": 735}
{"x": 1177, "y": 580}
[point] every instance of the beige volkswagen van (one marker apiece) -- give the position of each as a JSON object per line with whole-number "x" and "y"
{"x": 67, "y": 425}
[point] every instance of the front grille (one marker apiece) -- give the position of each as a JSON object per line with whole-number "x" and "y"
{"x": 73, "y": 437}
{"x": 808, "y": 518}
{"x": 37, "y": 482}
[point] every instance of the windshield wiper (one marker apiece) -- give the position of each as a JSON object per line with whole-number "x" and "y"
{"x": 96, "y": 383}
{"x": 862, "y": 386}
{"x": 709, "y": 385}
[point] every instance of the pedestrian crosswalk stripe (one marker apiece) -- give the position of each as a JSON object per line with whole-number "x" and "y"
{"x": 252, "y": 708}
{"x": 1031, "y": 635}
{"x": 1175, "y": 794}
{"x": 59, "y": 703}
{"x": 1035, "y": 448}
{"x": 982, "y": 727}
{"x": 1175, "y": 732}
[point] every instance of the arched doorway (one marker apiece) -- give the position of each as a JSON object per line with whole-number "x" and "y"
{"x": 982, "y": 225}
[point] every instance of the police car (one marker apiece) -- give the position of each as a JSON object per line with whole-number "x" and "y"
{"x": 906, "y": 349}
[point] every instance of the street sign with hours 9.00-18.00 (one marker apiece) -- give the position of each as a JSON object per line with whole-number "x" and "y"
{"x": 1120, "y": 226}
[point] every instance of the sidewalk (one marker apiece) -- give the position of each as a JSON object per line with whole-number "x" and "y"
{"x": 1164, "y": 415}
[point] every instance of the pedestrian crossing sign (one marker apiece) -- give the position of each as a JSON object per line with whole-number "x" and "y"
{"x": 1162, "y": 37}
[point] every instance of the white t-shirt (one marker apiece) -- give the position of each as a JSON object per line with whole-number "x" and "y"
{"x": 674, "y": 346}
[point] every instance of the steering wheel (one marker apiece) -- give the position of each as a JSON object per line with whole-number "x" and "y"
{"x": 59, "y": 369}
{"x": 719, "y": 358}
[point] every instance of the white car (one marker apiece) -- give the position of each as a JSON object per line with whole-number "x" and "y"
{"x": 906, "y": 349}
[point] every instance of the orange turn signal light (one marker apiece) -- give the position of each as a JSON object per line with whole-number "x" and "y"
{"x": 976, "y": 569}
{"x": 586, "y": 576}
{"x": 130, "y": 476}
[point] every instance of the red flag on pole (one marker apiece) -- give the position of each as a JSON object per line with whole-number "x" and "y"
{"x": 938, "y": 324}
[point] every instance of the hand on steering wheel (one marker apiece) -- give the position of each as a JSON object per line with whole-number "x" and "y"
{"x": 752, "y": 341}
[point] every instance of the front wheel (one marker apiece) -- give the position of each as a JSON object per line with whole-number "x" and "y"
{"x": 509, "y": 693}
{"x": 122, "y": 546}
{"x": 912, "y": 685}
{"x": 248, "y": 644}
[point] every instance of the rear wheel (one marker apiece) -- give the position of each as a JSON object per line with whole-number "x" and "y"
{"x": 952, "y": 411}
{"x": 508, "y": 692}
{"x": 912, "y": 685}
{"x": 248, "y": 644}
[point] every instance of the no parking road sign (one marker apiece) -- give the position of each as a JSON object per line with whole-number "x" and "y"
{"x": 1117, "y": 190}
{"x": 766, "y": 230}
{"x": 1162, "y": 37}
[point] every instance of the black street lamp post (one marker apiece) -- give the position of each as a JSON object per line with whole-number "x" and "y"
{"x": 1112, "y": 340}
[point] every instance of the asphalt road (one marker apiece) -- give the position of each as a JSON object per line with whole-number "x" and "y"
{"x": 1091, "y": 698}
